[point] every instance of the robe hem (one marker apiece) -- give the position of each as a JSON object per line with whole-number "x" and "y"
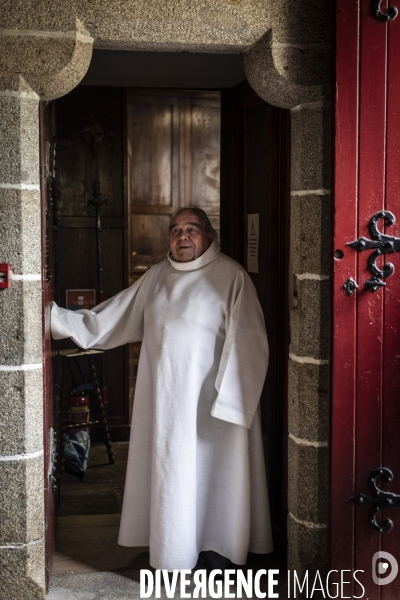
{"x": 158, "y": 566}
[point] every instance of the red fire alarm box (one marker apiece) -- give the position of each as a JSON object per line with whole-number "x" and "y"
{"x": 4, "y": 275}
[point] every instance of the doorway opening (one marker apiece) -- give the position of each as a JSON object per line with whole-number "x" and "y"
{"x": 168, "y": 135}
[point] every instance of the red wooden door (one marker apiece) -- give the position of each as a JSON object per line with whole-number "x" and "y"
{"x": 366, "y": 323}
{"x": 47, "y": 159}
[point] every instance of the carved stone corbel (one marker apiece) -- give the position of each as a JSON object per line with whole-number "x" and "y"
{"x": 289, "y": 65}
{"x": 46, "y": 64}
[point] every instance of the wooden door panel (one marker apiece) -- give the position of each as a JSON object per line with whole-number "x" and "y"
{"x": 365, "y": 411}
{"x": 255, "y": 179}
{"x": 261, "y": 195}
{"x": 153, "y": 132}
{"x": 232, "y": 173}
{"x": 261, "y": 191}
{"x": 98, "y": 111}
{"x": 204, "y": 180}
{"x": 149, "y": 238}
{"x": 342, "y": 485}
{"x": 77, "y": 111}
{"x": 391, "y": 337}
{"x": 76, "y": 261}
{"x": 372, "y": 140}
{"x": 173, "y": 160}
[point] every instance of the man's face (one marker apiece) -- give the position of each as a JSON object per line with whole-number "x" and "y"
{"x": 187, "y": 236}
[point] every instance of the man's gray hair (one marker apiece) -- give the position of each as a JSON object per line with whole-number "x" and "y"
{"x": 199, "y": 212}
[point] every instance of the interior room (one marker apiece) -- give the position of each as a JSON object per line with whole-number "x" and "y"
{"x": 144, "y": 134}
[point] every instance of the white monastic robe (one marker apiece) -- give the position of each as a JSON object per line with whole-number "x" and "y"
{"x": 195, "y": 474}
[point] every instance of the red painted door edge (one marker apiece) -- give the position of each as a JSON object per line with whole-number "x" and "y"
{"x": 343, "y": 348}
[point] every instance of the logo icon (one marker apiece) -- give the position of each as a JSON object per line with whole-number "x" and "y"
{"x": 382, "y": 567}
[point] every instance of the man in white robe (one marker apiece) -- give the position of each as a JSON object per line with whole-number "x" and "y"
{"x": 195, "y": 474}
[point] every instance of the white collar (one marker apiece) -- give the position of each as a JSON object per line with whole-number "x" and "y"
{"x": 192, "y": 265}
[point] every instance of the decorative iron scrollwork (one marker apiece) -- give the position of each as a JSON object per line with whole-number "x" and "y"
{"x": 374, "y": 284}
{"x": 350, "y": 286}
{"x": 380, "y": 500}
{"x": 383, "y": 244}
{"x": 391, "y": 13}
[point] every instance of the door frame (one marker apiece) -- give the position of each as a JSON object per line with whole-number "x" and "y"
{"x": 234, "y": 200}
{"x": 47, "y": 172}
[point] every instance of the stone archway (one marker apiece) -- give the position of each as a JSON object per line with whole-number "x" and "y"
{"x": 45, "y": 52}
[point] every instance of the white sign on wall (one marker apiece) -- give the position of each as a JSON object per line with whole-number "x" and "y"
{"x": 253, "y": 228}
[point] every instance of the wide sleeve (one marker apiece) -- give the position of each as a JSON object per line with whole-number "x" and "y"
{"x": 244, "y": 359}
{"x": 112, "y": 323}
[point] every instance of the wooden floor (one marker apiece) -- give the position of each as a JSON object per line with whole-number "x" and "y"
{"x": 89, "y": 516}
{"x": 101, "y": 491}
{"x": 86, "y": 543}
{"x": 88, "y": 522}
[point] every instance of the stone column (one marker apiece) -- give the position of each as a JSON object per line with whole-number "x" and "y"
{"x": 309, "y": 326}
{"x": 33, "y": 66}
{"x": 289, "y": 67}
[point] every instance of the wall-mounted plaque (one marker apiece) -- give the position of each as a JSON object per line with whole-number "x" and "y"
{"x": 77, "y": 299}
{"x": 253, "y": 227}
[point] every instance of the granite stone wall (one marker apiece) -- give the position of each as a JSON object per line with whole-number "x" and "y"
{"x": 21, "y": 399}
{"x": 308, "y": 408}
{"x": 34, "y": 66}
{"x": 45, "y": 49}
{"x": 290, "y": 67}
